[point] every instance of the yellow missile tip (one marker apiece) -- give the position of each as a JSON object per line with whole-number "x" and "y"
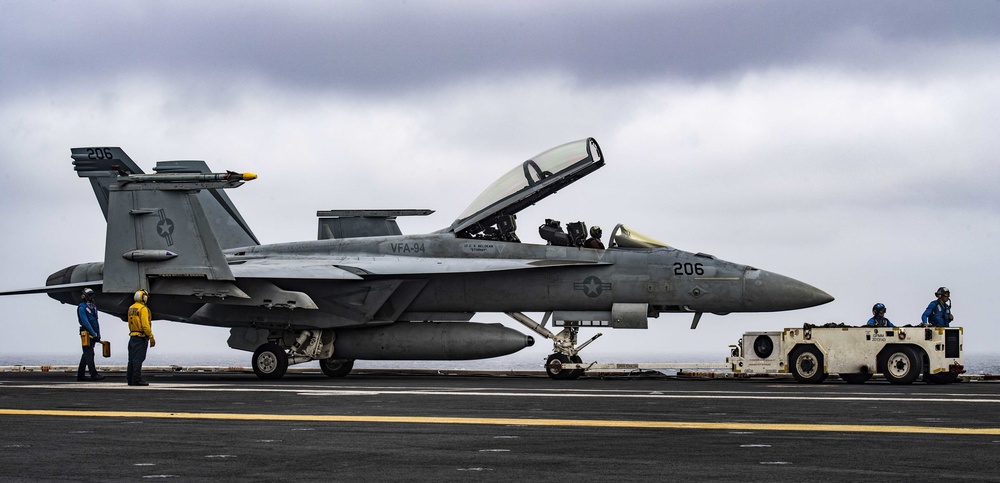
{"x": 249, "y": 176}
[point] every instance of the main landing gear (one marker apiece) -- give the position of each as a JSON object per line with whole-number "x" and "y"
{"x": 564, "y": 346}
{"x": 271, "y": 360}
{"x": 336, "y": 367}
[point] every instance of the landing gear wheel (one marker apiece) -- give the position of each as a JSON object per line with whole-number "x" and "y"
{"x": 901, "y": 365}
{"x": 941, "y": 378}
{"x": 806, "y": 364}
{"x": 576, "y": 373}
{"x": 553, "y": 367}
{"x": 336, "y": 367}
{"x": 858, "y": 378}
{"x": 270, "y": 361}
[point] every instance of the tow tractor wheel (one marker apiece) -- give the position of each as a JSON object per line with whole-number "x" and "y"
{"x": 336, "y": 367}
{"x": 901, "y": 365}
{"x": 270, "y": 361}
{"x": 807, "y": 364}
{"x": 553, "y": 367}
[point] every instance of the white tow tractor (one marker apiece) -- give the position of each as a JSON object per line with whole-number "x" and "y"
{"x": 810, "y": 353}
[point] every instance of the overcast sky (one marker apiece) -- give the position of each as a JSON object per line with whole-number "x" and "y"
{"x": 849, "y": 145}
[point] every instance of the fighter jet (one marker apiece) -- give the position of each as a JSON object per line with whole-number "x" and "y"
{"x": 363, "y": 290}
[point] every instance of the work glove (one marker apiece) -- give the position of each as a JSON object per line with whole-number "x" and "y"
{"x": 152, "y": 342}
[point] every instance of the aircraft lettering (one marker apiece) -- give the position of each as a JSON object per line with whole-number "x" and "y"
{"x": 99, "y": 153}
{"x": 876, "y": 336}
{"x": 688, "y": 269}
{"x": 479, "y": 247}
{"x": 407, "y": 248}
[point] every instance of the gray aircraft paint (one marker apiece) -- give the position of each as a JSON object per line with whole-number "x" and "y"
{"x": 293, "y": 302}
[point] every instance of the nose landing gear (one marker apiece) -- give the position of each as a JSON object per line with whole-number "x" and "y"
{"x": 564, "y": 347}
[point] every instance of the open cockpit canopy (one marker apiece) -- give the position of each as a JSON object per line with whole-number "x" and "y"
{"x": 492, "y": 214}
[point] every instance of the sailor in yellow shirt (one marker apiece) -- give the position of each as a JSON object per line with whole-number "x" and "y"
{"x": 140, "y": 333}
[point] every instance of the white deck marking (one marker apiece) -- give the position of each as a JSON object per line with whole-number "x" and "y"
{"x": 326, "y": 391}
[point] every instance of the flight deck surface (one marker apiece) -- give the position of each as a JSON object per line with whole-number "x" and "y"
{"x": 406, "y": 427}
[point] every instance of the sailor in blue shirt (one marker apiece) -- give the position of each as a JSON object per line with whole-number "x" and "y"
{"x": 938, "y": 313}
{"x": 90, "y": 335}
{"x": 878, "y": 317}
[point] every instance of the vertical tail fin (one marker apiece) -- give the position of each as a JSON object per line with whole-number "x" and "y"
{"x": 102, "y": 165}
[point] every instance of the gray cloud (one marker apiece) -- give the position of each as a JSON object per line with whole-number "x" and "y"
{"x": 378, "y": 48}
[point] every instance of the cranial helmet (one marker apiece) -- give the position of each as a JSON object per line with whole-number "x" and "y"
{"x": 595, "y": 231}
{"x": 141, "y": 296}
{"x": 88, "y": 293}
{"x": 943, "y": 291}
{"x": 877, "y": 307}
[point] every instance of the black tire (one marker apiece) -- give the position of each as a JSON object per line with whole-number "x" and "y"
{"x": 901, "y": 365}
{"x": 336, "y": 367}
{"x": 941, "y": 378}
{"x": 763, "y": 346}
{"x": 857, "y": 378}
{"x": 553, "y": 367}
{"x": 575, "y": 373}
{"x": 270, "y": 362}
{"x": 806, "y": 364}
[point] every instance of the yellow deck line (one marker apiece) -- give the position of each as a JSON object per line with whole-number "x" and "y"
{"x": 588, "y": 423}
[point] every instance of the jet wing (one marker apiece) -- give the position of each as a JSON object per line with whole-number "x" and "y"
{"x": 356, "y": 268}
{"x": 291, "y": 268}
{"x": 424, "y": 266}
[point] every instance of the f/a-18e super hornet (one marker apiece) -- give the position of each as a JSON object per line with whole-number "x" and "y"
{"x": 363, "y": 290}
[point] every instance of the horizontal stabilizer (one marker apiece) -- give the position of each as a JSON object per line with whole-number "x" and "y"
{"x": 66, "y": 287}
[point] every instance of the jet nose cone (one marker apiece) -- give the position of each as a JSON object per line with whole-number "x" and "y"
{"x": 765, "y": 291}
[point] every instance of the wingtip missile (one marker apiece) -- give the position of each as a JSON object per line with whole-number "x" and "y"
{"x": 189, "y": 177}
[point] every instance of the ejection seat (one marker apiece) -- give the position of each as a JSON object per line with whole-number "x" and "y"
{"x": 552, "y": 232}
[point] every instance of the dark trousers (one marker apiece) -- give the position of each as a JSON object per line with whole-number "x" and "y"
{"x": 136, "y": 355}
{"x": 87, "y": 361}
